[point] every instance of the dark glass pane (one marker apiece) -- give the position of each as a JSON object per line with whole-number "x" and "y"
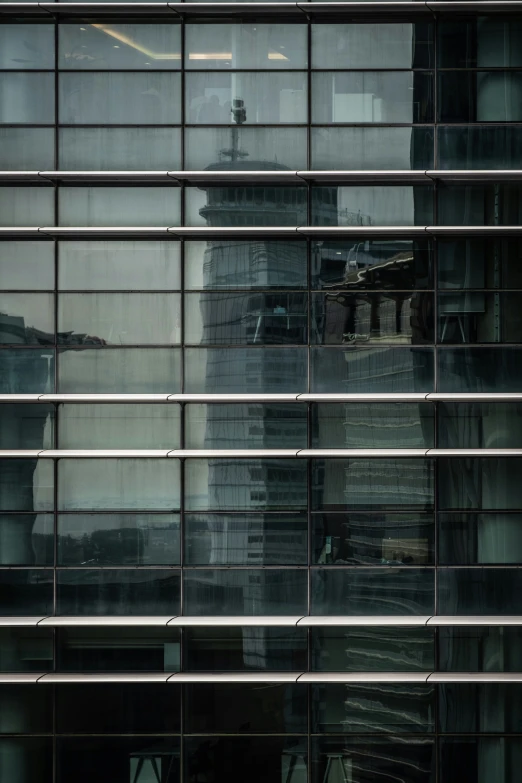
{"x": 26, "y": 371}
{"x": 476, "y": 591}
{"x": 238, "y": 709}
{"x": 26, "y": 46}
{"x": 373, "y": 591}
{"x": 245, "y": 206}
{"x": 372, "y": 708}
{"x": 246, "y": 370}
{"x": 248, "y": 426}
{"x": 480, "y": 42}
{"x": 245, "y": 148}
{"x": 372, "y": 483}
{"x": 26, "y": 426}
{"x": 250, "y": 485}
{"x": 359, "y": 426}
{"x": 251, "y": 649}
{"x": 27, "y": 759}
{"x": 118, "y": 539}
{"x": 480, "y": 484}
{"x": 26, "y": 485}
{"x": 119, "y": 649}
{"x": 481, "y": 649}
{"x": 480, "y": 96}
{"x": 26, "y": 650}
{"x": 477, "y": 317}
{"x": 490, "y": 708}
{"x": 467, "y": 425}
{"x": 371, "y": 370}
{"x": 221, "y": 264}
{"x": 120, "y": 47}
{"x": 26, "y": 539}
{"x": 25, "y": 709}
{"x": 372, "y": 149}
{"x": 26, "y": 592}
{"x": 245, "y": 592}
{"x": 119, "y": 206}
{"x": 372, "y": 649}
{"x": 480, "y": 147}
{"x": 27, "y": 149}
{"x": 479, "y": 205}
{"x": 217, "y": 759}
{"x": 468, "y": 759}
{"x": 120, "y": 149}
{"x": 370, "y": 205}
{"x": 471, "y": 539}
{"x": 479, "y": 263}
{"x": 245, "y": 45}
{"x": 116, "y": 426}
{"x": 118, "y": 592}
{"x": 373, "y": 539}
{"x": 483, "y": 369}
{"x": 26, "y": 319}
{"x": 372, "y": 265}
{"x": 239, "y": 539}
{"x": 26, "y": 265}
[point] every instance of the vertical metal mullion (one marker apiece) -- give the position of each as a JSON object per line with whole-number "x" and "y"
{"x": 182, "y": 76}
{"x": 309, "y": 96}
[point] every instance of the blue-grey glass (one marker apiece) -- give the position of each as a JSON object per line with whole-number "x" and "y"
{"x": 373, "y": 539}
{"x": 119, "y": 426}
{"x": 246, "y": 370}
{"x": 119, "y": 264}
{"x": 268, "y": 98}
{"x": 355, "y": 317}
{"x": 467, "y": 425}
{"x": 241, "y": 539}
{"x": 480, "y": 483}
{"x": 27, "y": 149}
{"x": 22, "y": 206}
{"x": 477, "y": 591}
{"x": 480, "y": 42}
{"x": 479, "y": 317}
{"x": 480, "y": 96}
{"x": 372, "y": 264}
{"x": 275, "y": 46}
{"x": 26, "y": 592}
{"x": 120, "y": 319}
{"x": 409, "y": 759}
{"x": 26, "y": 265}
{"x": 240, "y": 206}
{"x": 120, "y": 149}
{"x": 25, "y": 485}
{"x": 27, "y": 98}
{"x": 372, "y": 45}
{"x": 115, "y": 46}
{"x": 473, "y": 539}
{"x": 372, "y": 205}
{"x": 480, "y": 205}
{"x": 266, "y": 758}
{"x": 371, "y": 149}
{"x": 26, "y": 370}
{"x": 479, "y": 263}
{"x": 373, "y": 591}
{"x": 129, "y": 708}
{"x": 245, "y": 709}
{"x": 29, "y": 758}
{"x": 487, "y": 708}
{"x": 26, "y": 46}
{"x": 480, "y": 649}
{"x": 373, "y": 649}
{"x": 259, "y": 648}
{"x": 479, "y": 147}
{"x": 245, "y": 484}
{"x": 26, "y": 426}
{"x": 278, "y": 318}
{"x": 484, "y": 369}
{"x": 26, "y": 710}
{"x": 120, "y": 98}
{"x": 26, "y": 539}
{"x": 372, "y": 96}
{"x": 26, "y": 649}
{"x": 118, "y": 539}
{"x": 114, "y": 484}
{"x": 378, "y": 426}
{"x": 464, "y": 759}
{"x": 245, "y": 426}
{"x": 372, "y": 709}
{"x": 26, "y": 319}
{"x": 83, "y": 759}
{"x": 227, "y": 263}
{"x": 123, "y": 649}
{"x": 124, "y": 591}
{"x": 246, "y": 148}
{"x": 117, "y": 371}
{"x": 119, "y": 206}
{"x": 368, "y": 370}
{"x": 244, "y": 591}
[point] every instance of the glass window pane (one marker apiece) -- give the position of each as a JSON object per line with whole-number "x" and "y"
{"x": 369, "y": 205}
{"x": 480, "y": 96}
{"x": 245, "y": 592}
{"x": 480, "y": 483}
{"x": 373, "y": 649}
{"x": 212, "y": 98}
{"x": 476, "y": 755}
{"x": 245, "y": 370}
{"x": 479, "y": 263}
{"x": 26, "y": 592}
{"x": 128, "y": 370}
{"x": 120, "y": 206}
{"x": 27, "y": 149}
{"x": 471, "y": 539}
{"x": 26, "y": 710}
{"x": 26, "y": 426}
{"x": 26, "y": 539}
{"x": 26, "y": 265}
{"x": 222, "y": 264}
{"x": 237, "y": 319}
{"x": 118, "y": 539}
{"x": 26, "y": 319}
{"x": 89, "y": 591}
{"x": 476, "y": 317}
{"x": 477, "y": 591}
{"x": 237, "y": 206}
{"x": 250, "y": 649}
{"x": 250, "y": 485}
{"x": 480, "y": 649}
{"x": 386, "y": 758}
{"x": 490, "y": 708}
{"x": 479, "y": 205}
{"x": 26, "y": 649}
{"x": 466, "y": 425}
{"x": 246, "y": 45}
{"x": 260, "y": 539}
{"x": 248, "y": 148}
{"x": 118, "y": 484}
{"x": 124, "y": 649}
{"x": 26, "y": 46}
{"x": 119, "y": 426}
{"x": 378, "y": 426}
{"x": 119, "y": 149}
{"x": 371, "y": 148}
{"x": 481, "y": 41}
{"x": 32, "y": 755}
{"x": 245, "y": 426}
{"x": 375, "y": 45}
{"x": 494, "y": 369}
{"x": 27, "y": 98}
{"x": 117, "y": 46}
{"x": 120, "y": 98}
{"x": 480, "y": 147}
{"x": 269, "y": 758}
{"x": 26, "y": 485}
{"x": 22, "y": 205}
{"x": 27, "y": 371}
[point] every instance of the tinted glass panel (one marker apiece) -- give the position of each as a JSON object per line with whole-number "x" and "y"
{"x": 483, "y": 41}
{"x": 480, "y": 147}
{"x": 26, "y": 485}
{"x": 18, "y": 203}
{"x": 27, "y": 149}
{"x": 269, "y": 758}
{"x": 121, "y": 149}
{"x": 26, "y": 46}
{"x": 371, "y": 148}
{"x": 480, "y": 369}
{"x": 462, "y": 759}
{"x": 366, "y": 205}
{"x": 480, "y": 484}
{"x": 27, "y": 98}
{"x": 478, "y": 425}
{"x": 246, "y": 45}
{"x": 480, "y": 591}
{"x": 479, "y": 205}
{"x": 372, "y": 649}
{"x": 120, "y": 649}
{"x": 257, "y": 148}
{"x": 235, "y": 649}
{"x": 26, "y": 265}
{"x": 118, "y": 426}
{"x": 490, "y": 708}
{"x": 26, "y": 319}
{"x": 374, "y": 45}
{"x": 471, "y": 539}
{"x": 120, "y": 46}
{"x": 359, "y": 426}
{"x": 480, "y": 96}
{"x": 32, "y": 755}
{"x": 107, "y": 206}
{"x": 479, "y": 263}
{"x": 240, "y": 206}
{"x": 480, "y": 649}
{"x": 26, "y": 426}
{"x": 477, "y": 317}
{"x": 26, "y": 592}
{"x": 26, "y": 539}
{"x": 26, "y": 649}
{"x": 245, "y": 426}
{"x": 25, "y": 710}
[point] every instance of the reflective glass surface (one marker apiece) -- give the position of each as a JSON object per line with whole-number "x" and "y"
{"x": 372, "y": 649}
{"x": 247, "y": 426}
{"x": 118, "y": 650}
{"x": 26, "y": 265}
{"x": 250, "y": 649}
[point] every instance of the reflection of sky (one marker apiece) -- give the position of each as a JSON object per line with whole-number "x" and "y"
{"x": 388, "y": 206}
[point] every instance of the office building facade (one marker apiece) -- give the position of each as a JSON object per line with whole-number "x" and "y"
{"x": 261, "y": 392}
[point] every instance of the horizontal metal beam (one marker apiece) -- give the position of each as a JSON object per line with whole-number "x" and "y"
{"x": 256, "y": 453}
